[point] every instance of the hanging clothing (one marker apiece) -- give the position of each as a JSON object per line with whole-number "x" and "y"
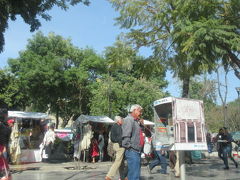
{"x": 87, "y": 136}
{"x": 14, "y": 147}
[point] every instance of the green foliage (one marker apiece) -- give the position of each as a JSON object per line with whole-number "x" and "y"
{"x": 119, "y": 56}
{"x": 54, "y": 72}
{"x": 234, "y": 115}
{"x": 113, "y": 96}
{"x": 204, "y": 90}
{"x": 215, "y": 118}
{"x": 131, "y": 79}
{"x": 190, "y": 37}
{"x": 30, "y": 11}
{"x": 10, "y": 92}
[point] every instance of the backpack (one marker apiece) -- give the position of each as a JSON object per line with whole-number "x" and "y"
{"x": 110, "y": 150}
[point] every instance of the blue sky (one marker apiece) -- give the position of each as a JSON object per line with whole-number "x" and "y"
{"x": 91, "y": 26}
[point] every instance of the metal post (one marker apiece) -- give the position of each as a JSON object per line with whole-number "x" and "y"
{"x": 182, "y": 165}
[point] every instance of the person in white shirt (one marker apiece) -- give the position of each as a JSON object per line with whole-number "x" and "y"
{"x": 48, "y": 142}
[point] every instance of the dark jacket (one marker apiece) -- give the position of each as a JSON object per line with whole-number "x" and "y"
{"x": 229, "y": 139}
{"x": 116, "y": 134}
{"x": 5, "y": 133}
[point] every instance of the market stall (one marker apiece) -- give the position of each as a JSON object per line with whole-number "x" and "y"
{"x": 27, "y": 135}
{"x": 85, "y": 128}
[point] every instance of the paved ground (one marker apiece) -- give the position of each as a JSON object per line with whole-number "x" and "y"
{"x": 201, "y": 170}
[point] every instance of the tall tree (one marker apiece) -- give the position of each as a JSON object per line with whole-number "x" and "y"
{"x": 54, "y": 72}
{"x": 10, "y": 91}
{"x": 204, "y": 89}
{"x": 125, "y": 90}
{"x": 131, "y": 79}
{"x": 29, "y": 11}
{"x": 189, "y": 36}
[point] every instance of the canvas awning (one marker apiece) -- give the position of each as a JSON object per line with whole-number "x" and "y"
{"x": 98, "y": 119}
{"x": 29, "y": 115}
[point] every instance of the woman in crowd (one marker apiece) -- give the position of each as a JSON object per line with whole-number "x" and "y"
{"x": 94, "y": 150}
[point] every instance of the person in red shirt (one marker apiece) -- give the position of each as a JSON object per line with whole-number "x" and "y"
{"x": 94, "y": 150}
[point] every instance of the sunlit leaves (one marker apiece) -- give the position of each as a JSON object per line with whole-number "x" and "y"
{"x": 30, "y": 11}
{"x": 194, "y": 35}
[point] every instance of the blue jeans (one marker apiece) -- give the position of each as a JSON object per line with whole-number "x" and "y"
{"x": 210, "y": 147}
{"x": 134, "y": 164}
{"x": 160, "y": 159}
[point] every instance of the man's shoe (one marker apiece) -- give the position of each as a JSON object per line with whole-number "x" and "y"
{"x": 107, "y": 178}
{"x": 226, "y": 168}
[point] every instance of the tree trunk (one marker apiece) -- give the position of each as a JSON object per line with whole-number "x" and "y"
{"x": 223, "y": 94}
{"x": 234, "y": 60}
{"x": 57, "y": 118}
{"x": 185, "y": 90}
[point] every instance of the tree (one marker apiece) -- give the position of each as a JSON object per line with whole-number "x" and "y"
{"x": 131, "y": 79}
{"x": 234, "y": 115}
{"x": 203, "y": 89}
{"x": 189, "y": 37}
{"x": 10, "y": 91}
{"x": 54, "y": 72}
{"x": 123, "y": 57}
{"x": 214, "y": 117}
{"x": 125, "y": 91}
{"x": 223, "y": 91}
{"x": 29, "y": 11}
{"x": 206, "y": 90}
{"x": 208, "y": 31}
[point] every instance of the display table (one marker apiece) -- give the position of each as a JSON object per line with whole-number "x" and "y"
{"x": 30, "y": 155}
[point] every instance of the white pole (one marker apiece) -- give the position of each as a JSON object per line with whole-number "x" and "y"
{"x": 182, "y": 165}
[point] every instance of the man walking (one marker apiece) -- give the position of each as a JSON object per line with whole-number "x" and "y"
{"x": 227, "y": 149}
{"x": 133, "y": 141}
{"x": 159, "y": 158}
{"x": 116, "y": 138}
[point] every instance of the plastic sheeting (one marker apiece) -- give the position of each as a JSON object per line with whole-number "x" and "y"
{"x": 98, "y": 119}
{"x": 30, "y": 115}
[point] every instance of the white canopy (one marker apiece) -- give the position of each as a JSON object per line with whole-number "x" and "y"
{"x": 30, "y": 115}
{"x": 146, "y": 122}
{"x": 99, "y": 119}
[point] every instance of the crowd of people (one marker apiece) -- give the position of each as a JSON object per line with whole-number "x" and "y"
{"x": 130, "y": 139}
{"x": 9, "y": 153}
